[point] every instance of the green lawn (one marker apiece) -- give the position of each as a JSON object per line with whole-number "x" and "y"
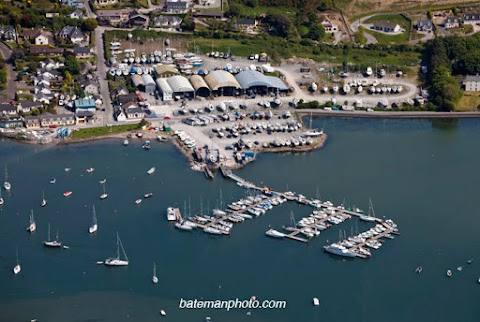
{"x": 393, "y": 18}
{"x": 387, "y": 39}
{"x": 104, "y": 130}
{"x": 468, "y": 102}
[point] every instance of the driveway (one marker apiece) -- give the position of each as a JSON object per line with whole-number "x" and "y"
{"x": 355, "y": 28}
{"x": 11, "y": 87}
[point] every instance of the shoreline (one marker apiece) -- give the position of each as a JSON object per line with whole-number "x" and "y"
{"x": 387, "y": 115}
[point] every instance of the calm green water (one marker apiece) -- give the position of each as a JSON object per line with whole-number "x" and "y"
{"x": 422, "y": 175}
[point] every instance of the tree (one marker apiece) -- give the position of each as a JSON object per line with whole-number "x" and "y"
{"x": 17, "y": 54}
{"x": 72, "y": 65}
{"x": 235, "y": 10}
{"x": 316, "y": 32}
{"x": 187, "y": 24}
{"x": 89, "y": 24}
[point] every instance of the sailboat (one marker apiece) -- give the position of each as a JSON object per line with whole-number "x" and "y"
{"x": 44, "y": 201}
{"x": 52, "y": 243}
{"x": 6, "y": 184}
{"x": 154, "y": 278}
{"x": 312, "y": 132}
{"x": 1, "y": 199}
{"x": 17, "y": 267}
{"x": 116, "y": 261}
{"x": 104, "y": 195}
{"x": 93, "y": 228}
{"x": 32, "y": 227}
{"x": 371, "y": 213}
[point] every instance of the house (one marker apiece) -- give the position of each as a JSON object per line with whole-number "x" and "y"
{"x": 26, "y": 107}
{"x": 329, "y": 27}
{"x": 89, "y": 86}
{"x": 451, "y": 22}
{"x": 102, "y": 3}
{"x": 210, "y": 14}
{"x": 11, "y": 123}
{"x": 82, "y": 52}
{"x": 50, "y": 64}
{"x": 245, "y": 24}
{"x": 121, "y": 90}
{"x": 38, "y": 37}
{"x": 424, "y": 25}
{"x": 32, "y": 122}
{"x": 71, "y": 33}
{"x": 77, "y": 14}
{"x": 165, "y": 71}
{"x": 84, "y": 117}
{"x": 167, "y": 21}
{"x": 113, "y": 17}
{"x": 471, "y": 19}
{"x": 120, "y": 115}
{"x": 9, "y": 34}
{"x": 73, "y": 3}
{"x": 47, "y": 120}
{"x": 46, "y": 51}
{"x": 472, "y": 83}
{"x": 176, "y": 6}
{"x": 386, "y": 26}
{"x": 7, "y": 109}
{"x": 98, "y": 101}
{"x": 85, "y": 104}
{"x": 138, "y": 20}
{"x": 132, "y": 111}
{"x": 123, "y": 99}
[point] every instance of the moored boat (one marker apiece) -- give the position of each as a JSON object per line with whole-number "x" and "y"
{"x": 117, "y": 261}
{"x": 151, "y": 170}
{"x": 274, "y": 233}
{"x": 67, "y": 193}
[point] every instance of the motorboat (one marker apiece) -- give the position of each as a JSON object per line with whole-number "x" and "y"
{"x": 339, "y": 250}
{"x": 146, "y": 145}
{"x": 125, "y": 142}
{"x": 67, "y": 193}
{"x": 138, "y": 201}
{"x": 53, "y": 180}
{"x": 151, "y": 170}
{"x": 183, "y": 226}
{"x": 382, "y": 72}
{"x": 369, "y": 71}
{"x": 314, "y": 87}
{"x": 148, "y": 195}
{"x": 368, "y": 218}
{"x": 213, "y": 231}
{"x": 316, "y": 301}
{"x": 449, "y": 273}
{"x": 163, "y": 313}
{"x": 67, "y": 169}
{"x": 274, "y": 233}
{"x": 346, "y": 88}
{"x": 171, "y": 214}
{"x": 90, "y": 170}
{"x": 218, "y": 212}
{"x": 117, "y": 261}
{"x": 360, "y": 89}
{"x": 335, "y": 88}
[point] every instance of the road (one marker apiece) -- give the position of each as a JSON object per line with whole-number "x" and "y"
{"x": 11, "y": 87}
{"x": 355, "y": 27}
{"x": 104, "y": 92}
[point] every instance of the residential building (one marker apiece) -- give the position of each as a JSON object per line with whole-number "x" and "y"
{"x": 167, "y": 21}
{"x": 472, "y": 83}
{"x": 211, "y": 14}
{"x": 43, "y": 50}
{"x": 386, "y": 26}
{"x": 73, "y": 3}
{"x": 47, "y": 120}
{"x": 102, "y": 3}
{"x": 329, "y": 26}
{"x": 138, "y": 20}
{"x": 9, "y": 34}
{"x": 176, "y": 6}
{"x": 38, "y": 37}
{"x": 451, "y": 22}
{"x": 89, "y": 86}
{"x": 82, "y": 52}
{"x": 125, "y": 98}
{"x": 11, "y": 123}
{"x": 50, "y": 64}
{"x": 424, "y": 25}
{"x": 84, "y": 117}
{"x": 77, "y": 14}
{"x": 26, "y": 107}
{"x": 113, "y": 17}
{"x": 71, "y": 33}
{"x": 165, "y": 71}
{"x": 471, "y": 19}
{"x": 132, "y": 111}
{"x": 245, "y": 24}
{"x": 7, "y": 109}
{"x": 120, "y": 115}
{"x": 32, "y": 122}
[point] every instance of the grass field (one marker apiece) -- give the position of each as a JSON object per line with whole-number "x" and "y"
{"x": 104, "y": 130}
{"x": 468, "y": 102}
{"x": 393, "y": 18}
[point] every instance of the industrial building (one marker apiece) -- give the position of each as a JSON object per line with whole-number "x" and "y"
{"x": 223, "y": 83}
{"x": 200, "y": 86}
{"x": 181, "y": 87}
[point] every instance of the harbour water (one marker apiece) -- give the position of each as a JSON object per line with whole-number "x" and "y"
{"x": 420, "y": 173}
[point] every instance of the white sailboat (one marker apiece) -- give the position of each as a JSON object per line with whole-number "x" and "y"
{"x": 151, "y": 170}
{"x": 52, "y": 243}
{"x": 1, "y": 199}
{"x": 104, "y": 195}
{"x": 154, "y": 278}
{"x": 6, "y": 184}
{"x": 312, "y": 132}
{"x": 371, "y": 213}
{"x": 44, "y": 201}
{"x": 17, "y": 267}
{"x": 116, "y": 261}
{"x": 93, "y": 228}
{"x": 32, "y": 226}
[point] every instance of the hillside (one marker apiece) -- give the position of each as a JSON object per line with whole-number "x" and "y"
{"x": 361, "y": 7}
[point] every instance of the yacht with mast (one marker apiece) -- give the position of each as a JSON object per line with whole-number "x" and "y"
{"x": 312, "y": 132}
{"x": 44, "y": 201}
{"x": 1, "y": 199}
{"x": 371, "y": 213}
{"x": 154, "y": 278}
{"x": 52, "y": 243}
{"x": 32, "y": 226}
{"x": 6, "y": 184}
{"x": 117, "y": 261}
{"x": 93, "y": 228}
{"x": 17, "y": 267}
{"x": 104, "y": 195}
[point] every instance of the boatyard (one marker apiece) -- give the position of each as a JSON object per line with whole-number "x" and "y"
{"x": 324, "y": 216}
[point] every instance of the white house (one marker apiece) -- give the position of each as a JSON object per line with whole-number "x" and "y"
{"x": 120, "y": 116}
{"x": 451, "y": 22}
{"x": 472, "y": 83}
{"x": 72, "y": 33}
{"x": 386, "y": 26}
{"x": 329, "y": 27}
{"x": 77, "y": 14}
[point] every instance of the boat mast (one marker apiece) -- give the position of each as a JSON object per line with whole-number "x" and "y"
{"x": 94, "y": 216}
{"x": 118, "y": 246}
{"x": 48, "y": 231}
{"x": 17, "y": 256}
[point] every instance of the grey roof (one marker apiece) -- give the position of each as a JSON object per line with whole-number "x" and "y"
{"x": 71, "y": 32}
{"x": 148, "y": 80}
{"x": 251, "y": 78}
{"x": 180, "y": 84}
{"x": 472, "y": 78}
{"x": 30, "y": 104}
{"x": 221, "y": 78}
{"x": 163, "y": 86}
{"x": 424, "y": 23}
{"x": 81, "y": 50}
{"x": 85, "y": 113}
{"x": 471, "y": 17}
{"x": 245, "y": 22}
{"x": 134, "y": 110}
{"x": 384, "y": 24}
{"x": 276, "y": 82}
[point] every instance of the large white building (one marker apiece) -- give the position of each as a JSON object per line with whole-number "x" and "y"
{"x": 165, "y": 89}
{"x": 472, "y": 83}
